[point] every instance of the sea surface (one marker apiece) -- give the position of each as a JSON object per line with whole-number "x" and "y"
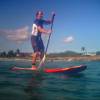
{"x": 29, "y": 85}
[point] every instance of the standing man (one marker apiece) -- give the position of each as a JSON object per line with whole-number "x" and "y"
{"x": 36, "y": 40}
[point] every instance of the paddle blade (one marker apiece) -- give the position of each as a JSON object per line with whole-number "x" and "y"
{"x": 42, "y": 61}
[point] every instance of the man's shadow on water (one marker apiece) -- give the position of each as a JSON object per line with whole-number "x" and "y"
{"x": 34, "y": 87}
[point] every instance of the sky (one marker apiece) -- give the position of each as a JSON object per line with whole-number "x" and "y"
{"x": 75, "y": 19}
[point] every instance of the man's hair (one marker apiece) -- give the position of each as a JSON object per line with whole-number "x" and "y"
{"x": 38, "y": 12}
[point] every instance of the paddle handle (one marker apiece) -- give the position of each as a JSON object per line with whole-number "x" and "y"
{"x": 50, "y": 34}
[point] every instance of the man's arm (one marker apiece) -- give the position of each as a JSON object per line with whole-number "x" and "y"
{"x": 47, "y": 21}
{"x": 50, "y": 20}
{"x": 42, "y": 30}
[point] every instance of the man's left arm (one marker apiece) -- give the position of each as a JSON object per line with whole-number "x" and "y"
{"x": 47, "y": 22}
{"x": 50, "y": 20}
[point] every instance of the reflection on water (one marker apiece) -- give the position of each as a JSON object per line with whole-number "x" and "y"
{"x": 33, "y": 87}
{"x": 66, "y": 76}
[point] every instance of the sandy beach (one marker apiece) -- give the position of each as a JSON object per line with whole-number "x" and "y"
{"x": 67, "y": 58}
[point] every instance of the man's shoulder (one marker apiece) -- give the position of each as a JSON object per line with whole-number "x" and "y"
{"x": 38, "y": 21}
{"x": 35, "y": 21}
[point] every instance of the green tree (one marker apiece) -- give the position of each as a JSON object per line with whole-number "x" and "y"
{"x": 83, "y": 49}
{"x": 11, "y": 53}
{"x": 3, "y": 54}
{"x": 18, "y": 51}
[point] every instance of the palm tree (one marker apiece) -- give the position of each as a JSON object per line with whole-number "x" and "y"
{"x": 83, "y": 49}
{"x": 17, "y": 52}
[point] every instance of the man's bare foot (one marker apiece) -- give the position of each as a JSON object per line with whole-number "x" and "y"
{"x": 34, "y": 67}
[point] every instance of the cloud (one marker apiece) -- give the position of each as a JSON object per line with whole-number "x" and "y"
{"x": 69, "y": 39}
{"x": 17, "y": 35}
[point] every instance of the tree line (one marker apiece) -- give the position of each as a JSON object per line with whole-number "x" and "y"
{"x": 10, "y": 53}
{"x": 16, "y": 53}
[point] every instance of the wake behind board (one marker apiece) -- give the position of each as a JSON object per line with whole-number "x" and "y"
{"x": 68, "y": 70}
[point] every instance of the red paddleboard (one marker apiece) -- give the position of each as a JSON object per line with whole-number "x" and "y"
{"x": 68, "y": 70}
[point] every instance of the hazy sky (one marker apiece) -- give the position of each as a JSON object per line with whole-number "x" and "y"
{"x": 79, "y": 19}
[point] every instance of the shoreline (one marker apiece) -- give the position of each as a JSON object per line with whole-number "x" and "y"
{"x": 68, "y": 58}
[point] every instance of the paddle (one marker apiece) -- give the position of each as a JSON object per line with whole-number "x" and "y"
{"x": 44, "y": 57}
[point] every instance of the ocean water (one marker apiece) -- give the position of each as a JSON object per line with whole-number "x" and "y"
{"x": 28, "y": 85}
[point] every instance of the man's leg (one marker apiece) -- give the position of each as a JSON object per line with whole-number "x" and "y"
{"x": 41, "y": 49}
{"x": 34, "y": 58}
{"x": 35, "y": 54}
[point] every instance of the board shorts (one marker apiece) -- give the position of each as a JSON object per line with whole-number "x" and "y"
{"x": 37, "y": 44}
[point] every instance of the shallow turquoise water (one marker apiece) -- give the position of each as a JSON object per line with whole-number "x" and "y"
{"x": 28, "y": 85}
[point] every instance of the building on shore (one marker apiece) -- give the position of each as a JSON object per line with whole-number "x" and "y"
{"x": 90, "y": 54}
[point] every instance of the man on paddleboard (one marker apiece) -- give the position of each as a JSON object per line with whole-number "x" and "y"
{"x": 36, "y": 40}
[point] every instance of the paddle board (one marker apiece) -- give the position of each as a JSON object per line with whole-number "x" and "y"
{"x": 68, "y": 70}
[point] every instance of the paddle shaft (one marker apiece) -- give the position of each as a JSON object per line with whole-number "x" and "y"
{"x": 44, "y": 57}
{"x": 49, "y": 35}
